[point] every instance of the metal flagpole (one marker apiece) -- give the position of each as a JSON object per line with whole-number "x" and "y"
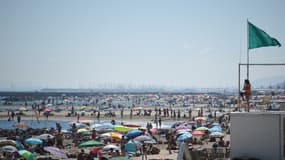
{"x": 238, "y": 87}
{"x": 247, "y": 75}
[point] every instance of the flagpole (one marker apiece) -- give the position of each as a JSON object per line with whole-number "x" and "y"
{"x": 247, "y": 75}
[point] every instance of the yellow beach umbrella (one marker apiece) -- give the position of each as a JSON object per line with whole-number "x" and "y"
{"x": 202, "y": 129}
{"x": 82, "y": 130}
{"x": 121, "y": 128}
{"x": 116, "y": 135}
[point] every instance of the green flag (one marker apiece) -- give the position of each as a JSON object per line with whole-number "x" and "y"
{"x": 258, "y": 38}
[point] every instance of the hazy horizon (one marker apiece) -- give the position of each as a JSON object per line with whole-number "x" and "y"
{"x": 182, "y": 44}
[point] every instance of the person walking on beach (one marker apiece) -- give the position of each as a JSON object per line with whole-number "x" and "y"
{"x": 19, "y": 119}
{"x": 190, "y": 113}
{"x": 131, "y": 113}
{"x": 13, "y": 115}
{"x": 159, "y": 122}
{"x": 98, "y": 116}
{"x": 78, "y": 116}
{"x": 144, "y": 151}
{"x": 122, "y": 112}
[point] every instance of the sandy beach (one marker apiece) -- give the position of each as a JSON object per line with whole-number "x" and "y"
{"x": 162, "y": 145}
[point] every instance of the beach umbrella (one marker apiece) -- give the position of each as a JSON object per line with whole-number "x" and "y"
{"x": 200, "y": 119}
{"x": 91, "y": 143}
{"x": 131, "y": 125}
{"x": 82, "y": 130}
{"x": 202, "y": 129}
{"x": 105, "y": 135}
{"x": 27, "y": 155}
{"x": 116, "y": 135}
{"x": 215, "y": 124}
{"x": 9, "y": 148}
{"x": 217, "y": 134}
{"x": 86, "y": 133}
{"x": 105, "y": 126}
{"x": 134, "y": 133}
{"x": 47, "y": 110}
{"x": 86, "y": 121}
{"x": 110, "y": 146}
{"x": 45, "y": 136}
{"x": 197, "y": 133}
{"x": 181, "y": 127}
{"x": 176, "y": 124}
{"x": 111, "y": 135}
{"x": 82, "y": 107}
{"x": 78, "y": 125}
{"x": 22, "y": 125}
{"x": 6, "y": 142}
{"x": 184, "y": 137}
{"x": 143, "y": 138}
{"x": 178, "y": 132}
{"x": 23, "y": 109}
{"x": 56, "y": 152}
{"x": 121, "y": 128}
{"x": 94, "y": 126}
{"x": 215, "y": 129}
{"x": 33, "y": 141}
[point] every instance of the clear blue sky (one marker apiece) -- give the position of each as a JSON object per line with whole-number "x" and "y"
{"x": 86, "y": 44}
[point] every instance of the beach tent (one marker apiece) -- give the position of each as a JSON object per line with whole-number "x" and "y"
{"x": 131, "y": 147}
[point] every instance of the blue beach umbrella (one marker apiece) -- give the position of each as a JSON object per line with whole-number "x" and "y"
{"x": 184, "y": 137}
{"x": 134, "y": 133}
{"x": 215, "y": 129}
{"x": 33, "y": 141}
{"x": 176, "y": 124}
{"x": 215, "y": 124}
